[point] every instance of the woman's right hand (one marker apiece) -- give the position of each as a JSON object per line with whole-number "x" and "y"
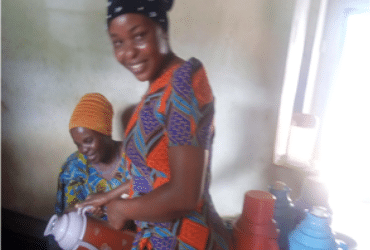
{"x": 97, "y": 201}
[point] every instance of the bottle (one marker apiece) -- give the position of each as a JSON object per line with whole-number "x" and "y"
{"x": 255, "y": 229}
{"x": 284, "y": 212}
{"x": 314, "y": 232}
{"x": 77, "y": 231}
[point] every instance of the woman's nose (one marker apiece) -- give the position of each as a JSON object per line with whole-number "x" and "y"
{"x": 83, "y": 150}
{"x": 131, "y": 51}
{"x": 127, "y": 53}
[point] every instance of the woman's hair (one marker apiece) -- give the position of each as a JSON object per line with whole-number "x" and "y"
{"x": 94, "y": 112}
{"x": 154, "y": 9}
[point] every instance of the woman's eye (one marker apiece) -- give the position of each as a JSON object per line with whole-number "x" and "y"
{"x": 117, "y": 43}
{"x": 88, "y": 141}
{"x": 140, "y": 36}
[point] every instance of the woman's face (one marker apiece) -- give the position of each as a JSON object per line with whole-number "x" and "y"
{"x": 90, "y": 143}
{"x": 139, "y": 44}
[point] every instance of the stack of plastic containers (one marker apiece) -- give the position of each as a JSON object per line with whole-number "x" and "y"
{"x": 255, "y": 229}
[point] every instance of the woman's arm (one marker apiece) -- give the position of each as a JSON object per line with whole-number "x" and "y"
{"x": 172, "y": 200}
{"x": 100, "y": 199}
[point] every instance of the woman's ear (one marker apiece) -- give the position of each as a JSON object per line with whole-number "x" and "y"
{"x": 163, "y": 40}
{"x": 165, "y": 34}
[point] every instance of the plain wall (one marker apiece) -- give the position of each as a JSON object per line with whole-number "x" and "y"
{"x": 53, "y": 52}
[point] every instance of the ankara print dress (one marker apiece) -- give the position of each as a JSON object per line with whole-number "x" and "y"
{"x": 178, "y": 109}
{"x": 78, "y": 179}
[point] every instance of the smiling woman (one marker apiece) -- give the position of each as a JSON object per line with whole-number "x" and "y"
{"x": 97, "y": 165}
{"x": 168, "y": 139}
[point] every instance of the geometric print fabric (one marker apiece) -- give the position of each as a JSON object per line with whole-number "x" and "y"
{"x": 178, "y": 109}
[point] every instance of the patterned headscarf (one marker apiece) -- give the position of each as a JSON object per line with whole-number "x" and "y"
{"x": 94, "y": 112}
{"x": 154, "y": 9}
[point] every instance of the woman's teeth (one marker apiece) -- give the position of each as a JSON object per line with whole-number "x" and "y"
{"x": 137, "y": 67}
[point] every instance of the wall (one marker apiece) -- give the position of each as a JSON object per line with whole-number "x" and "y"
{"x": 53, "y": 52}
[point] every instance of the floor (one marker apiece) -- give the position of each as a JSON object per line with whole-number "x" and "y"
{"x": 23, "y": 232}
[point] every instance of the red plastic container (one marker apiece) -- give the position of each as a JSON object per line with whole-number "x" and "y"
{"x": 255, "y": 229}
{"x": 98, "y": 233}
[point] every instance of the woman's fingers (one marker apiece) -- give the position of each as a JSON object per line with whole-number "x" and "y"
{"x": 83, "y": 204}
{"x": 95, "y": 210}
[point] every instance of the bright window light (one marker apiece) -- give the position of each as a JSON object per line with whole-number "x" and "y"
{"x": 345, "y": 142}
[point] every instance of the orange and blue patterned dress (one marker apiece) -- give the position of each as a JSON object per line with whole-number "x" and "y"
{"x": 178, "y": 109}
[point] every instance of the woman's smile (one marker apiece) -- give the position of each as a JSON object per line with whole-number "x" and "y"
{"x": 90, "y": 143}
{"x": 137, "y": 68}
{"x": 91, "y": 157}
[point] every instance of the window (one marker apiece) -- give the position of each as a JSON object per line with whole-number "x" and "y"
{"x": 343, "y": 157}
{"x": 327, "y": 80}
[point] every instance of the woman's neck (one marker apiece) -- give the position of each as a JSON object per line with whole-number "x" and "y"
{"x": 170, "y": 60}
{"x": 113, "y": 153}
{"x": 108, "y": 169}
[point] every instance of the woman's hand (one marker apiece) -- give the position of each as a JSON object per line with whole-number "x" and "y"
{"x": 97, "y": 201}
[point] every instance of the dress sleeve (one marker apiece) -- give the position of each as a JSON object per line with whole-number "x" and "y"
{"x": 71, "y": 184}
{"x": 189, "y": 117}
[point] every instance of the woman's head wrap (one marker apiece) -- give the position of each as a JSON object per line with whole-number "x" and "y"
{"x": 94, "y": 112}
{"x": 154, "y": 9}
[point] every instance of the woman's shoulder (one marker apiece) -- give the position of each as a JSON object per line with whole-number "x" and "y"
{"x": 189, "y": 71}
{"x": 76, "y": 156}
{"x": 76, "y": 162}
{"x": 192, "y": 75}
{"x": 193, "y": 64}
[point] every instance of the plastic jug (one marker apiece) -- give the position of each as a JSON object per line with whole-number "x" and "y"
{"x": 284, "y": 212}
{"x": 76, "y": 230}
{"x": 314, "y": 233}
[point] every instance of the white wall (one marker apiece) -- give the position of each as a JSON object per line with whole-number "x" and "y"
{"x": 53, "y": 52}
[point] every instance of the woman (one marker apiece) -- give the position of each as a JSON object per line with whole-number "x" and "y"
{"x": 168, "y": 140}
{"x": 97, "y": 166}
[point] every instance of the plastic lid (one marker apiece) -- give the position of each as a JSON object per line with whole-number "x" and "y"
{"x": 279, "y": 185}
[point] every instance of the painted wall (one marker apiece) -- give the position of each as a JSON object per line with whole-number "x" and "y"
{"x": 53, "y": 52}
